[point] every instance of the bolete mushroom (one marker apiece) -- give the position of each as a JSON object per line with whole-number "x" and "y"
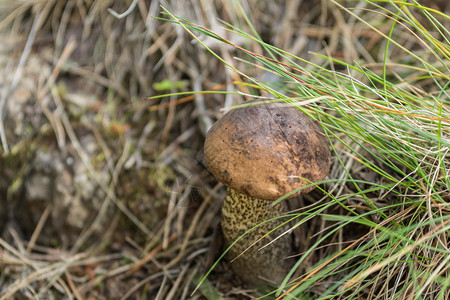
{"x": 261, "y": 152}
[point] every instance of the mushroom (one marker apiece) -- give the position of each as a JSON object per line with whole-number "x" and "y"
{"x": 261, "y": 152}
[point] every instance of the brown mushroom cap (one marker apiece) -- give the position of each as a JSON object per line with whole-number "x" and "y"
{"x": 264, "y": 150}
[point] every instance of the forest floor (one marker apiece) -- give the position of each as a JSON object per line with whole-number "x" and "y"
{"x": 104, "y": 193}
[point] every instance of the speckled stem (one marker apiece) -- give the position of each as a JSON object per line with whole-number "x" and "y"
{"x": 256, "y": 266}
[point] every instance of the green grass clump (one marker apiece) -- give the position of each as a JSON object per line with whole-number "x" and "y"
{"x": 386, "y": 112}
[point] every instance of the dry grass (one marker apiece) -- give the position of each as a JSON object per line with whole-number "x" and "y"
{"x": 102, "y": 196}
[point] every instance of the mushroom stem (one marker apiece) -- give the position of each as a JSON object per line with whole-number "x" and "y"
{"x": 252, "y": 263}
